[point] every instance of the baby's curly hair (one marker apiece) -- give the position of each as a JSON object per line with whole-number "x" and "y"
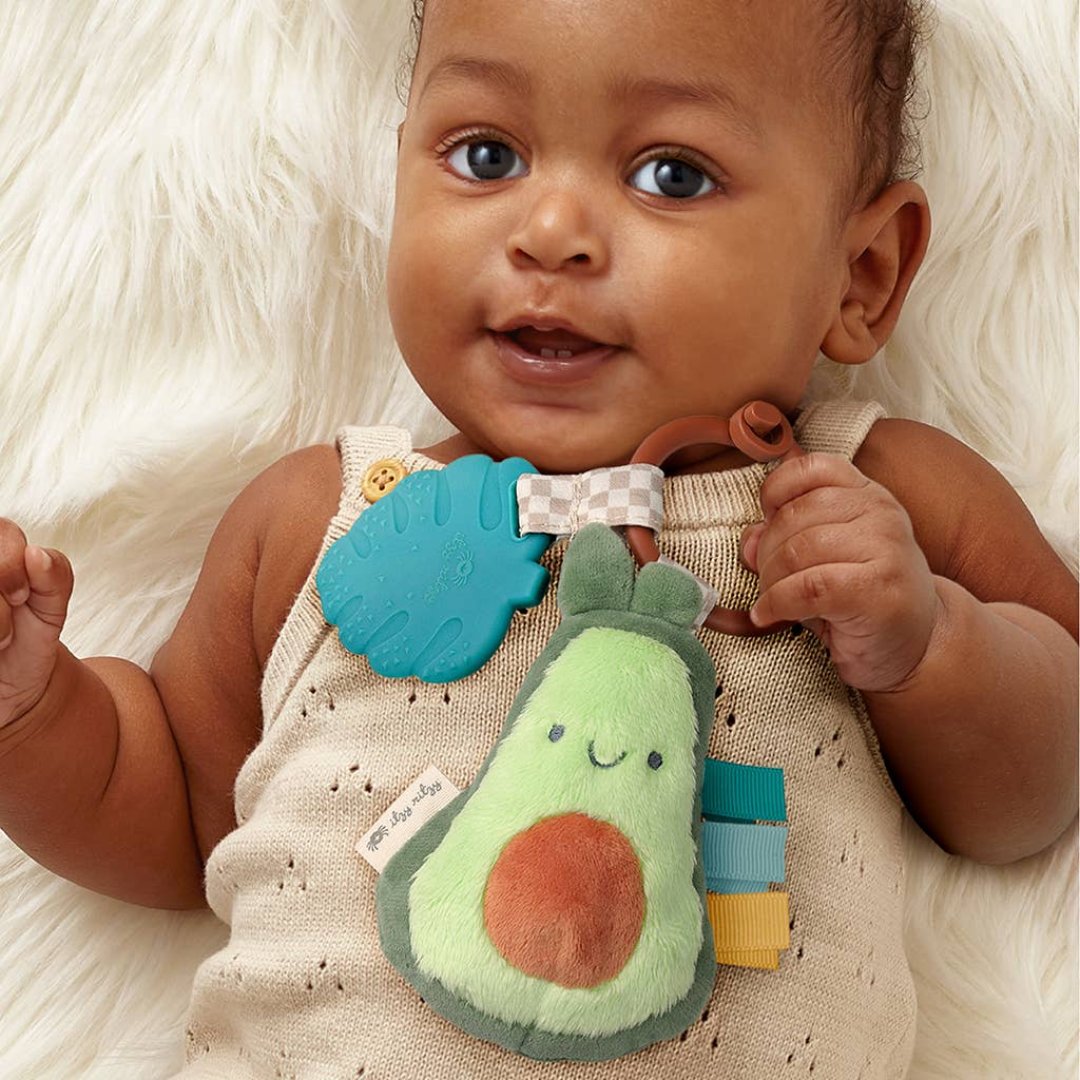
{"x": 875, "y": 45}
{"x": 871, "y": 51}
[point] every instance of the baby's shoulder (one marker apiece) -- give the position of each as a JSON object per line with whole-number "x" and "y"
{"x": 929, "y": 473}
{"x": 966, "y": 517}
{"x": 310, "y": 476}
{"x": 299, "y": 494}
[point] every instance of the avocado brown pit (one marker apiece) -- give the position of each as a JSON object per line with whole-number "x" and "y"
{"x": 565, "y": 900}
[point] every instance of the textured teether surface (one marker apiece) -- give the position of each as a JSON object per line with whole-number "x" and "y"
{"x": 427, "y": 579}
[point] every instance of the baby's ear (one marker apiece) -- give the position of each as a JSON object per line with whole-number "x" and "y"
{"x": 597, "y": 572}
{"x": 667, "y": 593}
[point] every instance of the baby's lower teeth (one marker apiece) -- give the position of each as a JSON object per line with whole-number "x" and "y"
{"x": 552, "y": 354}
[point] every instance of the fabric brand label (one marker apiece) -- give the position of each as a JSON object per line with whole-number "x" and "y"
{"x": 417, "y": 804}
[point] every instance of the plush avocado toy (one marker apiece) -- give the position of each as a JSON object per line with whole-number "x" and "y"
{"x": 557, "y": 906}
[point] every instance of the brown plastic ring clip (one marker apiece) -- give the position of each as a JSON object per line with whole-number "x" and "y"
{"x": 762, "y": 433}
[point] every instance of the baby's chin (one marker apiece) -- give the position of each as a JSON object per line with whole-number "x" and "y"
{"x": 572, "y": 446}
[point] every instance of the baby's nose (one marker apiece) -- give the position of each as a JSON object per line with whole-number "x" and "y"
{"x": 557, "y": 232}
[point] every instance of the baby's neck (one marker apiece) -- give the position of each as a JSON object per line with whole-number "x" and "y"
{"x": 693, "y": 460}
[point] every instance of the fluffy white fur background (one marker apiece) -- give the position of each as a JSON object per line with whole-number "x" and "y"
{"x": 194, "y": 207}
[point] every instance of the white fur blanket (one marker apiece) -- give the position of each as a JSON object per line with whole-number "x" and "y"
{"x": 194, "y": 204}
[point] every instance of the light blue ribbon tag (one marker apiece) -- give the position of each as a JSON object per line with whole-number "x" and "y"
{"x": 426, "y": 581}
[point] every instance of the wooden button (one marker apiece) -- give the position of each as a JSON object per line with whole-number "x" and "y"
{"x": 382, "y": 478}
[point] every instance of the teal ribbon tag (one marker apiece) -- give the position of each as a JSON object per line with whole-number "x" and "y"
{"x": 426, "y": 581}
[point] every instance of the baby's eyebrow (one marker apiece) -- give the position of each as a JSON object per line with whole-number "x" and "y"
{"x": 455, "y": 67}
{"x": 637, "y": 91}
{"x": 712, "y": 95}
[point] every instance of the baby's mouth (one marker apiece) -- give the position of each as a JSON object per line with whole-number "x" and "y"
{"x": 550, "y": 357}
{"x": 552, "y": 344}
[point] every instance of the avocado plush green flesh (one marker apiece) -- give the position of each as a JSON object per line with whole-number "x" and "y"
{"x": 609, "y": 690}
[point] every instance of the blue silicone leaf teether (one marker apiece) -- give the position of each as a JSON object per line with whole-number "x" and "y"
{"x": 426, "y": 581}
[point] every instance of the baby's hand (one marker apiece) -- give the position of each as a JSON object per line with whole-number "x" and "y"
{"x": 35, "y": 587}
{"x": 836, "y": 553}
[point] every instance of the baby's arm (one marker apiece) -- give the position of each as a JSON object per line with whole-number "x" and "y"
{"x": 121, "y": 780}
{"x": 942, "y": 602}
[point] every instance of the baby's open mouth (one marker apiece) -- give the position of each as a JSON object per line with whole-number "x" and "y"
{"x": 552, "y": 344}
{"x": 550, "y": 358}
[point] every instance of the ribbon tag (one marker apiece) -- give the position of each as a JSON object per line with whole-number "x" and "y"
{"x": 741, "y": 856}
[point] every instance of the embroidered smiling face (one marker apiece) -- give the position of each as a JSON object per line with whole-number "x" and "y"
{"x": 609, "y": 724}
{"x": 558, "y": 731}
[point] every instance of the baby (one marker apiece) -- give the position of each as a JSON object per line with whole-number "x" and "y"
{"x": 609, "y": 215}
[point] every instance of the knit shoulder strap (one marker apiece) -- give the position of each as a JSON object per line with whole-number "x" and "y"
{"x": 359, "y": 449}
{"x": 837, "y": 427}
{"x": 304, "y": 629}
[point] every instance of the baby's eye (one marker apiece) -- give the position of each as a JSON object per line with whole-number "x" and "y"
{"x": 673, "y": 177}
{"x": 487, "y": 159}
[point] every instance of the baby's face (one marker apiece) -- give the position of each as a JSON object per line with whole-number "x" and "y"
{"x": 659, "y": 178}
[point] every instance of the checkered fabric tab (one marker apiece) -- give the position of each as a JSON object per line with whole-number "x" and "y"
{"x": 622, "y": 495}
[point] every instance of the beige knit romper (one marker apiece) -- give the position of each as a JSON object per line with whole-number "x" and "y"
{"x": 303, "y": 989}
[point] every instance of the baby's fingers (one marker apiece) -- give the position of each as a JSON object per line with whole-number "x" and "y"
{"x": 51, "y": 580}
{"x": 808, "y": 473}
{"x": 14, "y": 587}
{"x": 748, "y": 546}
{"x": 777, "y": 557}
{"x": 831, "y": 591}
